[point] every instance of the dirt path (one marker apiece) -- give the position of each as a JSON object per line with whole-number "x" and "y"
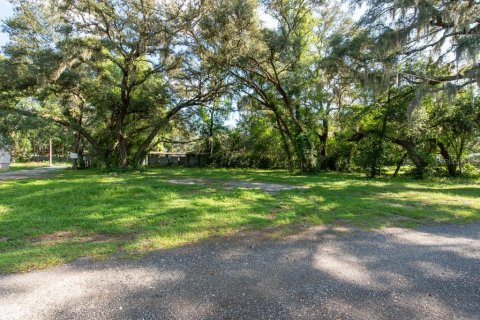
{"x": 37, "y": 173}
{"x": 230, "y": 184}
{"x": 321, "y": 273}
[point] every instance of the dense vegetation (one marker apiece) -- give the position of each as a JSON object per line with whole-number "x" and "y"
{"x": 313, "y": 88}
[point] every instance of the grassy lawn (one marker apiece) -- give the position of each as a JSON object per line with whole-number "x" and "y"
{"x": 85, "y": 213}
{"x": 29, "y": 165}
{"x": 25, "y": 166}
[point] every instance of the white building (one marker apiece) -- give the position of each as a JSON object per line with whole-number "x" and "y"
{"x": 4, "y": 160}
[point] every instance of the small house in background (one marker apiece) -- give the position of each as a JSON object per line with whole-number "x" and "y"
{"x": 4, "y": 160}
{"x": 473, "y": 158}
{"x": 176, "y": 159}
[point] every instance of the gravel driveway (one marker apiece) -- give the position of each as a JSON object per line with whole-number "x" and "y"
{"x": 231, "y": 184}
{"x": 37, "y": 173}
{"x": 320, "y": 273}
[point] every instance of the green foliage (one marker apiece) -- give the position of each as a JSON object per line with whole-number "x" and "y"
{"x": 316, "y": 90}
{"x": 370, "y": 155}
{"x": 114, "y": 72}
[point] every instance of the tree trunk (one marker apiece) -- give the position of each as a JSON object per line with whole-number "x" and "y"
{"x": 449, "y": 162}
{"x": 418, "y": 160}
{"x": 120, "y": 121}
{"x": 286, "y": 148}
{"x": 122, "y": 150}
{"x": 399, "y": 165}
{"x": 144, "y": 147}
{"x": 459, "y": 156}
{"x": 323, "y": 140}
{"x": 284, "y": 134}
{"x": 376, "y": 167}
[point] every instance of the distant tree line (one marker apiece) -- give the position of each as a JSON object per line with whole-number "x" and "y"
{"x": 311, "y": 87}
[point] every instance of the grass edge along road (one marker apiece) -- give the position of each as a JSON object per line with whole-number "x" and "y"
{"x": 20, "y": 166}
{"x": 45, "y": 222}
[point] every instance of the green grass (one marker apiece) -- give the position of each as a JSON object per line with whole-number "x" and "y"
{"x": 25, "y": 166}
{"x": 29, "y": 165}
{"x": 85, "y": 213}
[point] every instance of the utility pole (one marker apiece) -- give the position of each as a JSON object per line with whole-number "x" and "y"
{"x": 51, "y": 153}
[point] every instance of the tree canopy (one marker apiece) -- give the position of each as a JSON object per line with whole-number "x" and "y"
{"x": 311, "y": 87}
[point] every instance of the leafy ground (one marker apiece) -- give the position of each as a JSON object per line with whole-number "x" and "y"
{"x": 85, "y": 213}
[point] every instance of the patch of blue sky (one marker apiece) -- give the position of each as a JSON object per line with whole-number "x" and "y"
{"x": 6, "y": 11}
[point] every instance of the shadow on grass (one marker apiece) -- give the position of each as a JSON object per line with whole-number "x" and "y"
{"x": 138, "y": 212}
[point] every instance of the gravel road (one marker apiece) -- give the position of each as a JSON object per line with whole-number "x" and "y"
{"x": 320, "y": 273}
{"x": 37, "y": 173}
{"x": 231, "y": 184}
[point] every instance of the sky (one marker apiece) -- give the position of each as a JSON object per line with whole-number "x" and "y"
{"x": 5, "y": 12}
{"x": 268, "y": 21}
